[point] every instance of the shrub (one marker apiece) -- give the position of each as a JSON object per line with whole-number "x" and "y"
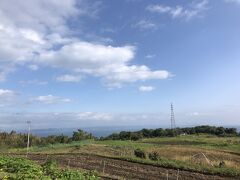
{"x": 135, "y": 136}
{"x": 155, "y": 156}
{"x": 140, "y": 153}
{"x": 221, "y": 164}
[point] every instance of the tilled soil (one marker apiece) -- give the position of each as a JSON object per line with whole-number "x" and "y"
{"x": 118, "y": 169}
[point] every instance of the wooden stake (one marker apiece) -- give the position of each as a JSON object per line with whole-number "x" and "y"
{"x": 68, "y": 163}
{"x": 207, "y": 159}
{"x": 103, "y": 167}
{"x": 177, "y": 173}
{"x": 46, "y": 159}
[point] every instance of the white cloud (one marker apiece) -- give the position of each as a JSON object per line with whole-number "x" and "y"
{"x": 104, "y": 119}
{"x": 30, "y": 31}
{"x": 194, "y": 10}
{"x": 4, "y": 93}
{"x": 201, "y": 114}
{"x": 5, "y": 69}
{"x": 195, "y": 114}
{"x": 145, "y": 25}
{"x": 50, "y": 99}
{"x": 33, "y": 82}
{"x": 33, "y": 67}
{"x": 27, "y": 28}
{"x": 7, "y": 97}
{"x": 135, "y": 73}
{"x": 39, "y": 15}
{"x": 159, "y": 8}
{"x": 149, "y": 56}
{"x": 232, "y": 1}
{"x": 146, "y": 88}
{"x": 84, "y": 56}
{"x": 15, "y": 47}
{"x": 95, "y": 116}
{"x": 81, "y": 119}
{"x": 10, "y": 98}
{"x": 69, "y": 78}
{"x": 107, "y": 62}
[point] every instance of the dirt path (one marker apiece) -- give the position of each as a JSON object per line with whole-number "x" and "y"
{"x": 121, "y": 169}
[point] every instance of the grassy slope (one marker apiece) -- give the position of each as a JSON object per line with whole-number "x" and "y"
{"x": 176, "y": 152}
{"x": 203, "y": 141}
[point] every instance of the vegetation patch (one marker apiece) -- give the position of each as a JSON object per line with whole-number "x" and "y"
{"x": 19, "y": 140}
{"x": 140, "y": 153}
{"x": 150, "y": 133}
{"x": 154, "y": 156}
{"x": 21, "y": 168}
{"x": 179, "y": 165}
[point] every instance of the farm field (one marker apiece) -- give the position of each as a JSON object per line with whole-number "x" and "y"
{"x": 182, "y": 157}
{"x": 119, "y": 89}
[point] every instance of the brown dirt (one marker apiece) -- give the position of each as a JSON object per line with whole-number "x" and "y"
{"x": 118, "y": 169}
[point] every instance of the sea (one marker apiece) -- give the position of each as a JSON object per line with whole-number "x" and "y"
{"x": 96, "y": 131}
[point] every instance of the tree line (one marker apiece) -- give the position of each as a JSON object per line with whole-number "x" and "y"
{"x": 150, "y": 133}
{"x": 16, "y": 140}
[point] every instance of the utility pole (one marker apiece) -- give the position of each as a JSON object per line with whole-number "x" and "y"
{"x": 28, "y": 136}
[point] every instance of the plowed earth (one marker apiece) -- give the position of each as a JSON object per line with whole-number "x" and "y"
{"x": 111, "y": 168}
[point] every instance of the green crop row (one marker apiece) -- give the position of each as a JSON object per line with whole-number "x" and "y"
{"x": 12, "y": 168}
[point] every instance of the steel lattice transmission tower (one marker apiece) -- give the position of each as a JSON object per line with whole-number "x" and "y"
{"x": 173, "y": 125}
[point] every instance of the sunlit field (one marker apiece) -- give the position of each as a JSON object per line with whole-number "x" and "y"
{"x": 197, "y": 153}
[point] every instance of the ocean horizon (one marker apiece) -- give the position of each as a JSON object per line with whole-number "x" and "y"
{"x": 97, "y": 131}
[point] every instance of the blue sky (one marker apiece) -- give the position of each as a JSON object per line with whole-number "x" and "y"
{"x": 119, "y": 63}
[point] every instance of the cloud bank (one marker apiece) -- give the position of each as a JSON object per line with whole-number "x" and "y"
{"x": 38, "y": 33}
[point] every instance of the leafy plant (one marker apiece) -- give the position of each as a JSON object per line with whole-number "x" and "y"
{"x": 155, "y": 156}
{"x": 21, "y": 169}
{"x": 140, "y": 153}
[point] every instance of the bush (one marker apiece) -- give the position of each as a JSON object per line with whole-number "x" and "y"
{"x": 222, "y": 164}
{"x": 140, "y": 153}
{"x": 135, "y": 136}
{"x": 155, "y": 156}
